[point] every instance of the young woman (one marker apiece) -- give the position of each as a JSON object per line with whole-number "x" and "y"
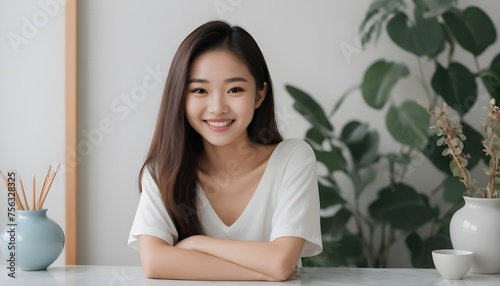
{"x": 223, "y": 197}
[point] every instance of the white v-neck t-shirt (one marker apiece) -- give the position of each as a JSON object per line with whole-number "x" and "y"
{"x": 285, "y": 203}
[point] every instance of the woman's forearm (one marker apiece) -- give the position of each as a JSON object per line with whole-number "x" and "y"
{"x": 276, "y": 259}
{"x": 160, "y": 260}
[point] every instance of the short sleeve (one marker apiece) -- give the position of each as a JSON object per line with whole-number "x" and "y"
{"x": 151, "y": 217}
{"x": 297, "y": 212}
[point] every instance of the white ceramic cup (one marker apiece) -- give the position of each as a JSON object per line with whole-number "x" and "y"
{"x": 451, "y": 263}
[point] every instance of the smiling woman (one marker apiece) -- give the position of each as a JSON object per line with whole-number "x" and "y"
{"x": 217, "y": 101}
{"x": 256, "y": 222}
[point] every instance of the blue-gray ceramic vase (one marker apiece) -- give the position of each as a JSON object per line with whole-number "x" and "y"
{"x": 39, "y": 240}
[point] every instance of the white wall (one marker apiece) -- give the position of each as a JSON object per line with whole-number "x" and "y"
{"x": 124, "y": 43}
{"x": 32, "y": 98}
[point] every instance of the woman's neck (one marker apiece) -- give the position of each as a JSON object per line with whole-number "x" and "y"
{"x": 242, "y": 155}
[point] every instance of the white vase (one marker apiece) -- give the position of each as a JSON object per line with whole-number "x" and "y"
{"x": 476, "y": 227}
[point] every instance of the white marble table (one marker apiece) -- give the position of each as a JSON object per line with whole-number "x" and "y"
{"x": 133, "y": 275}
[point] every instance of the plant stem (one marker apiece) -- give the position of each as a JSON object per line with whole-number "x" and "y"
{"x": 367, "y": 245}
{"x": 370, "y": 258}
{"x": 385, "y": 242}
{"x": 391, "y": 173}
{"x": 424, "y": 83}
{"x": 438, "y": 187}
{"x": 451, "y": 50}
{"x": 378, "y": 257}
{"x": 404, "y": 168}
{"x": 388, "y": 242}
{"x": 476, "y": 62}
{"x": 342, "y": 98}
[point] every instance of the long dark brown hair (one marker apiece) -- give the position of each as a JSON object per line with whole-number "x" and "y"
{"x": 171, "y": 159}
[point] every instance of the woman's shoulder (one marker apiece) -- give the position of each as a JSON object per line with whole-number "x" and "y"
{"x": 147, "y": 181}
{"x": 295, "y": 144}
{"x": 296, "y": 149}
{"x": 146, "y": 174}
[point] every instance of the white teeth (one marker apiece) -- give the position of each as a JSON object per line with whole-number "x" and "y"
{"x": 219, "y": 123}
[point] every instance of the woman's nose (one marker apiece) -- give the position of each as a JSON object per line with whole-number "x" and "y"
{"x": 217, "y": 104}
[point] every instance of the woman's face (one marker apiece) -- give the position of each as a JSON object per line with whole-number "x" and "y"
{"x": 221, "y": 98}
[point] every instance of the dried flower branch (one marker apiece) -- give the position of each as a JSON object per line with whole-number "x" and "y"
{"x": 450, "y": 133}
{"x": 491, "y": 144}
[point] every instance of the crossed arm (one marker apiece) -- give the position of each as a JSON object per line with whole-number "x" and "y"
{"x": 206, "y": 258}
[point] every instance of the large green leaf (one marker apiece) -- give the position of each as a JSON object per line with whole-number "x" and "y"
{"x": 379, "y": 80}
{"x": 472, "y": 145}
{"x": 365, "y": 153}
{"x": 492, "y": 79}
{"x": 442, "y": 45}
{"x": 311, "y": 110}
{"x": 333, "y": 159}
{"x": 408, "y": 124}
{"x": 435, "y": 8}
{"x": 378, "y": 12}
{"x": 472, "y": 28}
{"x": 329, "y": 196}
{"x": 362, "y": 143}
{"x": 351, "y": 249}
{"x": 424, "y": 38}
{"x": 314, "y": 137}
{"x": 335, "y": 225}
{"x": 361, "y": 178}
{"x": 453, "y": 189}
{"x": 421, "y": 250}
{"x": 495, "y": 64}
{"x": 402, "y": 207}
{"x": 457, "y": 86}
{"x": 353, "y": 132}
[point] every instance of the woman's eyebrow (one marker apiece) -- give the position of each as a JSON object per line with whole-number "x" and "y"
{"x": 233, "y": 79}
{"x": 198, "y": 80}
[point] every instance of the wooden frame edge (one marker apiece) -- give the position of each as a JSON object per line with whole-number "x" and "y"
{"x": 71, "y": 131}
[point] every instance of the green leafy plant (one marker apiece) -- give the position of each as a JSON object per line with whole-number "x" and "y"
{"x": 432, "y": 31}
{"x": 450, "y": 134}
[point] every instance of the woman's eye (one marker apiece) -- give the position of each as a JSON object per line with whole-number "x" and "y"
{"x": 235, "y": 90}
{"x": 198, "y": 90}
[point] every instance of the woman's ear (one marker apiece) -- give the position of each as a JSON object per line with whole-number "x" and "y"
{"x": 261, "y": 95}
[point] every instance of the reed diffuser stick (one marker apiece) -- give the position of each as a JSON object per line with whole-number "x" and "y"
{"x": 49, "y": 184}
{"x": 16, "y": 194}
{"x": 33, "y": 193}
{"x": 4, "y": 180}
{"x": 19, "y": 204}
{"x": 24, "y": 194}
{"x": 46, "y": 184}
{"x": 43, "y": 187}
